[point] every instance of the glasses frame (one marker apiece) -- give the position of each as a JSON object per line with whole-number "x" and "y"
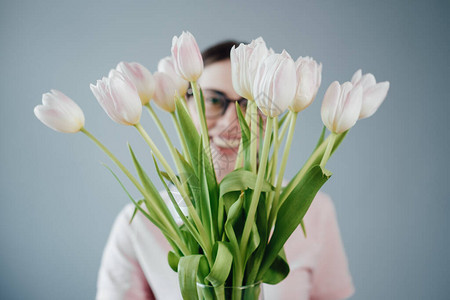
{"x": 242, "y": 102}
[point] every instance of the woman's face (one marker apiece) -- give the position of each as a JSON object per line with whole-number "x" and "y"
{"x": 224, "y": 130}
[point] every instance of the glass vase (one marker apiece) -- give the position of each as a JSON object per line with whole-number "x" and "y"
{"x": 248, "y": 292}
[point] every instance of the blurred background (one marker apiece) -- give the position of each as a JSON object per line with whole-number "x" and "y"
{"x": 390, "y": 184}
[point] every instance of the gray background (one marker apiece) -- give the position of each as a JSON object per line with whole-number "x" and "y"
{"x": 390, "y": 184}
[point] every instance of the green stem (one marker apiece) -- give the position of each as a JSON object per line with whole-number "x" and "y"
{"x": 201, "y": 116}
{"x": 257, "y": 192}
{"x": 181, "y": 137}
{"x": 284, "y": 128}
{"x": 240, "y": 155}
{"x": 273, "y": 167}
{"x": 163, "y": 131}
{"x": 274, "y": 208}
{"x": 159, "y": 155}
{"x": 253, "y": 136}
{"x": 327, "y": 154}
{"x": 174, "y": 234}
{"x": 169, "y": 143}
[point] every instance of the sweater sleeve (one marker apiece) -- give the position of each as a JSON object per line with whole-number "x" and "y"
{"x": 120, "y": 275}
{"x": 331, "y": 279}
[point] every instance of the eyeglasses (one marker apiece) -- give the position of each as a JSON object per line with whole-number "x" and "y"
{"x": 216, "y": 103}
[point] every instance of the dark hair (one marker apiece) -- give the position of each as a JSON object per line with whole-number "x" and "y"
{"x": 218, "y": 52}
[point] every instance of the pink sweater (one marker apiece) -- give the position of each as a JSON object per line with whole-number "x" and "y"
{"x": 134, "y": 264}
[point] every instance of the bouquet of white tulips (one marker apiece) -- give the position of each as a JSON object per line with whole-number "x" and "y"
{"x": 233, "y": 231}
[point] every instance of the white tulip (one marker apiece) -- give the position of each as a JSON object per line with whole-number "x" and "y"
{"x": 275, "y": 84}
{"x": 373, "y": 93}
{"x": 244, "y": 64}
{"x": 119, "y": 97}
{"x": 141, "y": 77}
{"x": 341, "y": 106}
{"x": 59, "y": 112}
{"x": 166, "y": 65}
{"x": 165, "y": 92}
{"x": 309, "y": 77}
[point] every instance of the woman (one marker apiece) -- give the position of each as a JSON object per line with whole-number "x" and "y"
{"x": 134, "y": 264}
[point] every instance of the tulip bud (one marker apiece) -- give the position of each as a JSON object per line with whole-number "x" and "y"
{"x": 141, "y": 77}
{"x": 165, "y": 92}
{"x": 244, "y": 63}
{"x": 341, "y": 106}
{"x": 187, "y": 59}
{"x": 309, "y": 77}
{"x": 166, "y": 65}
{"x": 373, "y": 93}
{"x": 119, "y": 98}
{"x": 59, "y": 112}
{"x": 275, "y": 84}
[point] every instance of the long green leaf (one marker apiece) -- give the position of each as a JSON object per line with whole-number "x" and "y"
{"x": 278, "y": 271}
{"x": 239, "y": 180}
{"x": 222, "y": 265}
{"x": 147, "y": 215}
{"x": 159, "y": 204}
{"x": 191, "y": 177}
{"x": 314, "y": 159}
{"x": 233, "y": 214}
{"x": 188, "y": 269}
{"x": 261, "y": 225}
{"x": 292, "y": 212}
{"x": 135, "y": 209}
{"x": 189, "y": 131}
{"x": 180, "y": 213}
{"x": 173, "y": 260}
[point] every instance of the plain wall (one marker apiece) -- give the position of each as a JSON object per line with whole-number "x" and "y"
{"x": 390, "y": 184}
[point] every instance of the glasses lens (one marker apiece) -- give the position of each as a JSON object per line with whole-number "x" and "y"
{"x": 243, "y": 105}
{"x": 214, "y": 104}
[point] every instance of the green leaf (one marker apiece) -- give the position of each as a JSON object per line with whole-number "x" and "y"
{"x": 153, "y": 220}
{"x": 229, "y": 199}
{"x": 303, "y": 228}
{"x": 222, "y": 265}
{"x": 188, "y": 269}
{"x": 192, "y": 243}
{"x": 147, "y": 215}
{"x": 234, "y": 212}
{"x": 191, "y": 177}
{"x": 315, "y": 161}
{"x": 292, "y": 212}
{"x": 239, "y": 180}
{"x": 278, "y": 271}
{"x": 173, "y": 260}
{"x": 150, "y": 188}
{"x": 210, "y": 186}
{"x": 261, "y": 225}
{"x": 135, "y": 210}
{"x": 189, "y": 131}
{"x": 253, "y": 242}
{"x": 186, "y": 222}
{"x": 167, "y": 177}
{"x": 204, "y": 199}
